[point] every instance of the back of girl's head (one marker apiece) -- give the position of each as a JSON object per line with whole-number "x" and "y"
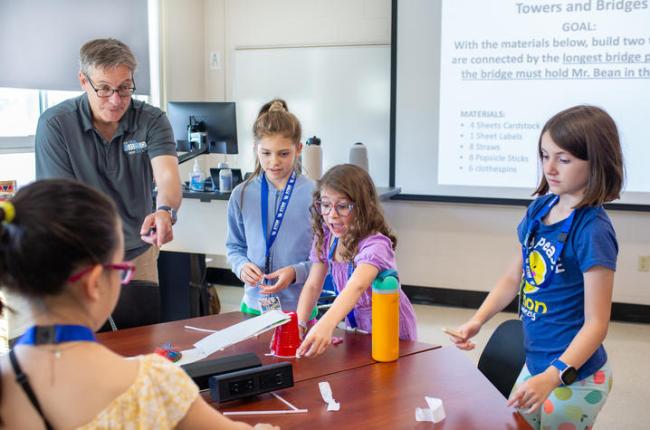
{"x": 589, "y": 133}
{"x": 57, "y": 226}
{"x": 357, "y": 185}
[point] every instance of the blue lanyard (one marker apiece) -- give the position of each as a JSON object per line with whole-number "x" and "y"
{"x": 59, "y": 333}
{"x": 351, "y": 318}
{"x": 529, "y": 244}
{"x": 279, "y": 215}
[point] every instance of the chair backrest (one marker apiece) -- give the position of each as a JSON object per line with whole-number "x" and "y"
{"x": 504, "y": 356}
{"x": 139, "y": 304}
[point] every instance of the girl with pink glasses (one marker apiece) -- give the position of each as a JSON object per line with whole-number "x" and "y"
{"x": 61, "y": 248}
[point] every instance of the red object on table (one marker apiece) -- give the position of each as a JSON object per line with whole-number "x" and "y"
{"x": 286, "y": 338}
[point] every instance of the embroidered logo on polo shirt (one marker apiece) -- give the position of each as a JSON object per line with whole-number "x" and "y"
{"x": 134, "y": 147}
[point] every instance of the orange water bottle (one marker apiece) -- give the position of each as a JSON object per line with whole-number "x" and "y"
{"x": 385, "y": 316}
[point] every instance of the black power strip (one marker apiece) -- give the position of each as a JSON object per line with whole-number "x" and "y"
{"x": 246, "y": 383}
{"x": 200, "y": 371}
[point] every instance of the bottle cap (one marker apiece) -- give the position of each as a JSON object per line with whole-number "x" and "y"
{"x": 386, "y": 281}
{"x": 313, "y": 141}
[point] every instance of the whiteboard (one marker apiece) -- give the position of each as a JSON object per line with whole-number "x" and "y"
{"x": 339, "y": 93}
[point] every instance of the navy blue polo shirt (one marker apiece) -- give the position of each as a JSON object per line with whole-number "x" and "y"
{"x": 68, "y": 146}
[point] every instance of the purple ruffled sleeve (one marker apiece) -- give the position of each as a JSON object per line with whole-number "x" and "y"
{"x": 376, "y": 250}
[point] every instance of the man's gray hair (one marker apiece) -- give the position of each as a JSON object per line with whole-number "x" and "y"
{"x": 105, "y": 54}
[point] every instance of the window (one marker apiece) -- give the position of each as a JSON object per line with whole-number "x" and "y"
{"x": 19, "y": 111}
{"x": 53, "y": 98}
{"x": 18, "y": 166}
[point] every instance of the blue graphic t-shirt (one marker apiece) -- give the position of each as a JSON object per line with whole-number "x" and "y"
{"x": 553, "y": 314}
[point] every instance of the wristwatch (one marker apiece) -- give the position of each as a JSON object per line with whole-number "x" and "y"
{"x": 568, "y": 374}
{"x": 170, "y": 210}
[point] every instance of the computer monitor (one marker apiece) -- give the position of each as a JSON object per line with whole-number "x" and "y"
{"x": 219, "y": 118}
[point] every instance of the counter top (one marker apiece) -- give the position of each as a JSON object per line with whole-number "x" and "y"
{"x": 385, "y": 193}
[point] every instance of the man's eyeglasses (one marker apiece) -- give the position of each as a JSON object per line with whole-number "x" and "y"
{"x": 105, "y": 91}
{"x": 126, "y": 272}
{"x": 342, "y": 209}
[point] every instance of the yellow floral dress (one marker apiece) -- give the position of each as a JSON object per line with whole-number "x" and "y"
{"x": 159, "y": 398}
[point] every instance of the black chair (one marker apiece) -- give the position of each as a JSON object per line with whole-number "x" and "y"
{"x": 183, "y": 286}
{"x": 139, "y": 304}
{"x": 504, "y": 356}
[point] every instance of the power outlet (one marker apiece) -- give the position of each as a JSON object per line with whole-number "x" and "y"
{"x": 201, "y": 371}
{"x": 644, "y": 263}
{"x": 249, "y": 382}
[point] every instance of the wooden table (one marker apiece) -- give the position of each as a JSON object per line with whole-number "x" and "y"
{"x": 385, "y": 395}
{"x": 372, "y": 395}
{"x": 352, "y": 353}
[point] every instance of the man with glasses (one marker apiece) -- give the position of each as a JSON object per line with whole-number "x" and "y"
{"x": 118, "y": 145}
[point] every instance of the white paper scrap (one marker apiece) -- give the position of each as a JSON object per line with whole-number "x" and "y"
{"x": 435, "y": 413}
{"x": 326, "y": 394}
{"x": 241, "y": 331}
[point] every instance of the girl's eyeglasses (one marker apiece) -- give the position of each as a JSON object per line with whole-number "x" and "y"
{"x": 126, "y": 269}
{"x": 342, "y": 209}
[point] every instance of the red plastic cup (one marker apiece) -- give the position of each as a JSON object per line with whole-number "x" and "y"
{"x": 286, "y": 338}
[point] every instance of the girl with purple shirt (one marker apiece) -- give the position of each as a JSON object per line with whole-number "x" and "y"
{"x": 353, "y": 244}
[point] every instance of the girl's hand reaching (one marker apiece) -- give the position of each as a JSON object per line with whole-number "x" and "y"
{"x": 251, "y": 274}
{"x": 532, "y": 393}
{"x": 317, "y": 340}
{"x": 285, "y": 277}
{"x": 465, "y": 332}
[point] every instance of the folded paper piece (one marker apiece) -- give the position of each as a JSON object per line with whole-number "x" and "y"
{"x": 326, "y": 394}
{"x": 223, "y": 338}
{"x": 435, "y": 413}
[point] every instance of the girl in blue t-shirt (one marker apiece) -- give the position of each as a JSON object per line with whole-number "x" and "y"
{"x": 564, "y": 274}
{"x": 269, "y": 227}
